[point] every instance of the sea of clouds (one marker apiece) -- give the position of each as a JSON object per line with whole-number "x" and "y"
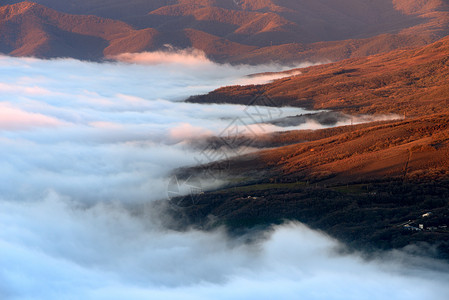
{"x": 83, "y": 143}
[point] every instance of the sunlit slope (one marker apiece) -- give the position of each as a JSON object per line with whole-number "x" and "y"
{"x": 413, "y": 82}
{"x": 29, "y": 29}
{"x": 416, "y": 149}
{"x": 248, "y": 31}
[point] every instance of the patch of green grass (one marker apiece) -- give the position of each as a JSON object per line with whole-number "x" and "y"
{"x": 355, "y": 189}
{"x": 266, "y": 186}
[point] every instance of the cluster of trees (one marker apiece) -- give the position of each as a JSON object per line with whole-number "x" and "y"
{"x": 365, "y": 216}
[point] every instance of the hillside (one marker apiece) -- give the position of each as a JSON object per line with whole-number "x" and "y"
{"x": 251, "y": 31}
{"x": 364, "y": 184}
{"x": 412, "y": 82}
{"x": 29, "y": 29}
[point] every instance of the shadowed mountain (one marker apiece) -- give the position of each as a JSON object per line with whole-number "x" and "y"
{"x": 362, "y": 184}
{"x": 254, "y": 31}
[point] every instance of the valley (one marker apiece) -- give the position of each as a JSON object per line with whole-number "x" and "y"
{"x": 224, "y": 149}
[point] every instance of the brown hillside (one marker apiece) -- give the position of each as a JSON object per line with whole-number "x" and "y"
{"x": 409, "y": 83}
{"x": 416, "y": 149}
{"x": 29, "y": 29}
{"x": 411, "y": 150}
{"x": 412, "y": 82}
{"x": 360, "y": 184}
{"x": 253, "y": 31}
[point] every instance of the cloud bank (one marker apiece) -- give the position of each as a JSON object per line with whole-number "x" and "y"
{"x": 53, "y": 249}
{"x": 197, "y": 60}
{"x": 185, "y": 57}
{"x": 104, "y": 132}
{"x": 85, "y": 147}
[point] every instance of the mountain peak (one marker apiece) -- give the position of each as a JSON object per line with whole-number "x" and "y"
{"x": 12, "y": 10}
{"x": 21, "y": 6}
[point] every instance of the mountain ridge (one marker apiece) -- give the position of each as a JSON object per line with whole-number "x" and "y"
{"x": 253, "y": 31}
{"x": 30, "y": 29}
{"x": 414, "y": 82}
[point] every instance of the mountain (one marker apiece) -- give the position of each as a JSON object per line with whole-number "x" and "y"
{"x": 254, "y": 31}
{"x": 29, "y": 29}
{"x": 359, "y": 183}
{"x": 413, "y": 82}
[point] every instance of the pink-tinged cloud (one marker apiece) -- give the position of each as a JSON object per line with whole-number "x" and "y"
{"x": 186, "y": 131}
{"x": 25, "y": 90}
{"x": 190, "y": 57}
{"x": 266, "y": 78}
{"x": 12, "y": 118}
{"x": 106, "y": 125}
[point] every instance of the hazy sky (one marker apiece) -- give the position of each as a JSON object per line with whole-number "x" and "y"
{"x": 81, "y": 141}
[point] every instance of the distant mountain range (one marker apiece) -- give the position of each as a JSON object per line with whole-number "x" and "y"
{"x": 251, "y": 31}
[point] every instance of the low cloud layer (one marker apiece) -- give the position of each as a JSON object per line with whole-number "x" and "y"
{"x": 86, "y": 146}
{"x": 326, "y": 119}
{"x": 53, "y": 249}
{"x": 186, "y": 57}
{"x": 266, "y": 78}
{"x": 105, "y": 132}
{"x": 197, "y": 61}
